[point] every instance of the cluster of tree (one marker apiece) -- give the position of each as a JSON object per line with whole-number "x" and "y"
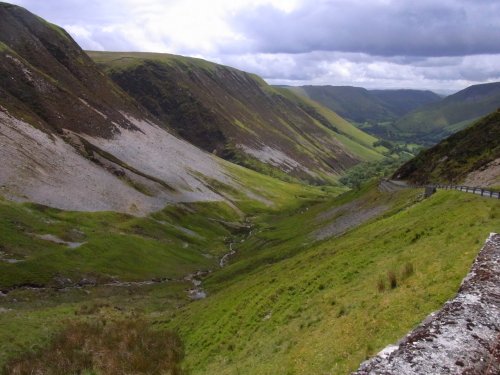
{"x": 364, "y": 172}
{"x": 398, "y": 148}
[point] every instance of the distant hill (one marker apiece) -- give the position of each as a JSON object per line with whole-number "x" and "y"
{"x": 438, "y": 120}
{"x": 361, "y": 105}
{"x": 400, "y": 102}
{"x": 471, "y": 156}
{"x": 238, "y": 117}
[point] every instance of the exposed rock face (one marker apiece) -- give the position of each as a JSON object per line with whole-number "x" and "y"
{"x": 346, "y": 217}
{"x": 487, "y": 175}
{"x": 462, "y": 338}
{"x": 70, "y": 138}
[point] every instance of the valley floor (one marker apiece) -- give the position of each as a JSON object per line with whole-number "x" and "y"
{"x": 315, "y": 288}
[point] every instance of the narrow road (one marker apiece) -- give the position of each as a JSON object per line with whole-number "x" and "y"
{"x": 394, "y": 185}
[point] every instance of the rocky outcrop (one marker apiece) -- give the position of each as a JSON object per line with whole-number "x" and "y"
{"x": 462, "y": 338}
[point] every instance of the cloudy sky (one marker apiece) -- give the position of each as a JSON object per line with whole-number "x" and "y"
{"x": 443, "y": 45}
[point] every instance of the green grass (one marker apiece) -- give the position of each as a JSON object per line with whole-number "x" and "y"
{"x": 3, "y": 47}
{"x": 304, "y": 308}
{"x": 261, "y": 194}
{"x": 123, "y": 60}
{"x": 286, "y": 303}
{"x": 453, "y": 113}
{"x": 59, "y": 30}
{"x": 454, "y": 158}
{"x": 170, "y": 243}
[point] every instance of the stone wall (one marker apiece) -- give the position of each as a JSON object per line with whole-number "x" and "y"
{"x": 461, "y": 338}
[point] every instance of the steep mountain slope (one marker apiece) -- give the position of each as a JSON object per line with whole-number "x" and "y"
{"x": 361, "y": 105}
{"x": 471, "y": 156}
{"x": 237, "y": 116}
{"x": 70, "y": 138}
{"x": 455, "y": 112}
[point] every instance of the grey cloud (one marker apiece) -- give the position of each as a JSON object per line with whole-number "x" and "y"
{"x": 337, "y": 68}
{"x": 372, "y": 43}
{"x": 385, "y": 28}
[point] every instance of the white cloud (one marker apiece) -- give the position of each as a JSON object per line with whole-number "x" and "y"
{"x": 259, "y": 36}
{"x": 334, "y": 68}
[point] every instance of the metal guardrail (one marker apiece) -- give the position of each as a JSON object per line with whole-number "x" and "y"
{"x": 431, "y": 188}
{"x": 473, "y": 190}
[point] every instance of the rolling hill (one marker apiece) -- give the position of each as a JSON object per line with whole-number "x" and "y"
{"x": 471, "y": 156}
{"x": 361, "y": 105}
{"x": 455, "y": 112}
{"x": 238, "y": 116}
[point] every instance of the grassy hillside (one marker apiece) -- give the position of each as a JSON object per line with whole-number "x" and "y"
{"x": 314, "y": 306}
{"x": 373, "y": 111}
{"x": 36, "y": 242}
{"x": 402, "y": 101}
{"x": 455, "y": 158}
{"x": 315, "y": 300}
{"x": 353, "y": 103}
{"x": 453, "y": 113}
{"x": 71, "y": 138}
{"x": 59, "y": 267}
{"x": 238, "y": 116}
{"x": 291, "y": 304}
{"x": 230, "y": 271}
